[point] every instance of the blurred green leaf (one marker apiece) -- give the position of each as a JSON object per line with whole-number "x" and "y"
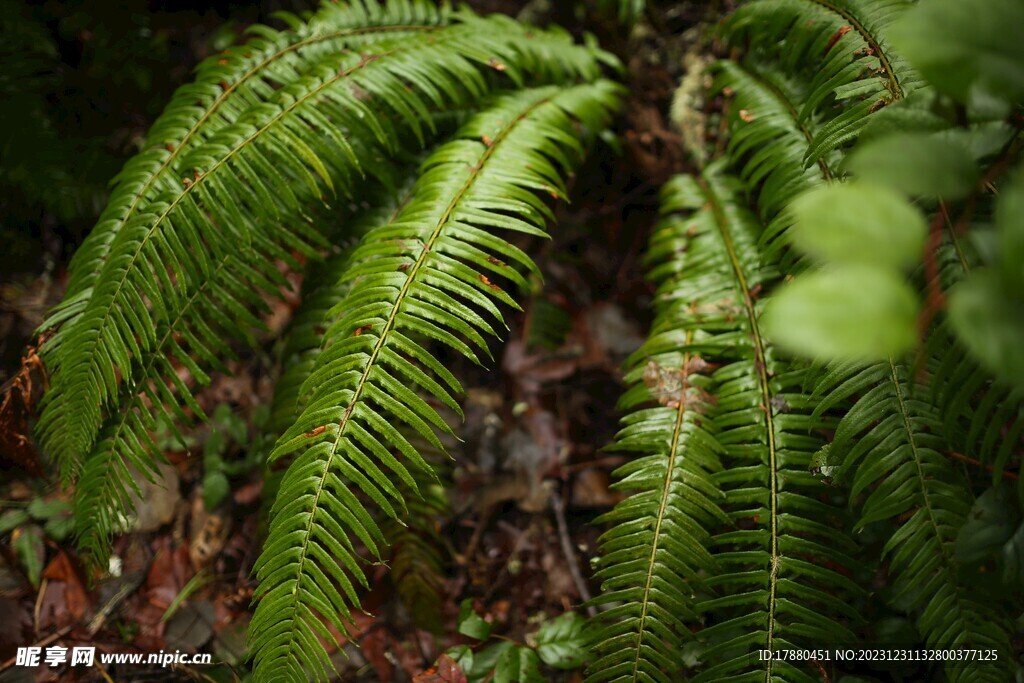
{"x": 560, "y": 642}
{"x": 59, "y": 527}
{"x": 988, "y": 315}
{"x": 845, "y": 312}
{"x": 917, "y": 164}
{"x": 45, "y": 509}
{"x": 518, "y": 665}
{"x": 472, "y": 624}
{"x": 1010, "y": 231}
{"x": 859, "y": 223}
{"x": 968, "y": 49}
{"x": 12, "y": 519}
{"x": 989, "y": 525}
{"x": 215, "y": 488}
{"x": 28, "y": 546}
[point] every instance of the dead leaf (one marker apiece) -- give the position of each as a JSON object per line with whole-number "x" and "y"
{"x": 167, "y": 575}
{"x": 65, "y": 583}
{"x": 446, "y": 671}
{"x": 209, "y": 532}
{"x": 16, "y": 446}
{"x": 591, "y": 489}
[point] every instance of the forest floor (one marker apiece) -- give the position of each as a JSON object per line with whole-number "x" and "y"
{"x": 526, "y": 482}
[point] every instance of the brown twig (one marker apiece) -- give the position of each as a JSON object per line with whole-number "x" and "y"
{"x": 56, "y": 635}
{"x": 558, "y": 505}
{"x": 973, "y": 461}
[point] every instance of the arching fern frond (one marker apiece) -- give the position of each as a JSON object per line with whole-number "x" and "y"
{"x": 424, "y": 276}
{"x": 226, "y": 86}
{"x": 889, "y": 443}
{"x": 655, "y": 551}
{"x": 779, "y": 583}
{"x": 261, "y": 170}
{"x": 842, "y": 46}
{"x": 771, "y": 578}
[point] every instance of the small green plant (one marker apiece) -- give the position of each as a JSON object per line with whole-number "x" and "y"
{"x": 558, "y": 644}
{"x": 30, "y": 524}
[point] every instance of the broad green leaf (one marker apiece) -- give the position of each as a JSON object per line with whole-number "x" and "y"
{"x": 472, "y": 624}
{"x": 59, "y": 527}
{"x": 968, "y": 49}
{"x": 848, "y": 312}
{"x": 1013, "y": 559}
{"x": 859, "y": 223}
{"x": 44, "y": 509}
{"x": 989, "y": 525}
{"x": 917, "y": 164}
{"x": 518, "y": 665}
{"x": 988, "y": 315}
{"x": 560, "y": 642}
{"x": 215, "y": 488}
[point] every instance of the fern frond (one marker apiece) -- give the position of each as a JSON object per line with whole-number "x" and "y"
{"x": 260, "y": 170}
{"x": 226, "y": 86}
{"x": 768, "y": 141}
{"x": 653, "y": 555}
{"x": 842, "y": 46}
{"x": 226, "y": 304}
{"x": 771, "y": 571}
{"x": 779, "y": 579}
{"x": 889, "y": 443}
{"x": 428, "y": 282}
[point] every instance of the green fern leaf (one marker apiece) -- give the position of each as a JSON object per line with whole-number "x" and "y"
{"x": 424, "y": 285}
{"x": 779, "y": 582}
{"x": 656, "y": 549}
{"x": 770, "y": 574}
{"x": 768, "y": 141}
{"x": 256, "y": 172}
{"x": 841, "y": 45}
{"x": 225, "y": 87}
{"x": 889, "y": 443}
